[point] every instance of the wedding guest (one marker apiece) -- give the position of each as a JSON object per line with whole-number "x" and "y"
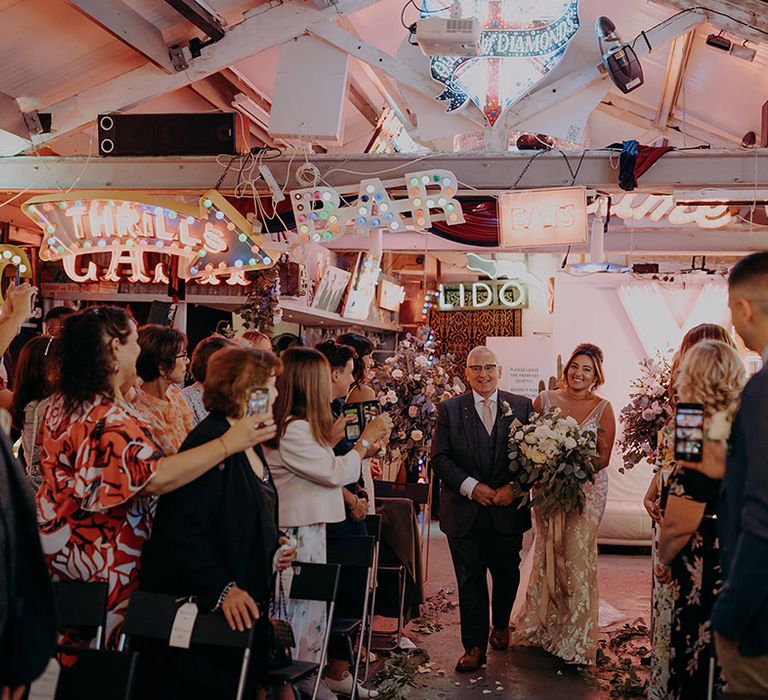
{"x": 711, "y": 374}
{"x": 53, "y": 322}
{"x": 740, "y": 616}
{"x": 479, "y": 511}
{"x": 309, "y": 477}
{"x": 101, "y": 464}
{"x": 162, "y": 365}
{"x": 257, "y": 340}
{"x": 655, "y": 500}
{"x": 216, "y": 538}
{"x": 27, "y": 615}
{"x": 34, "y": 381}
{"x": 193, "y": 394}
{"x": 564, "y": 621}
{"x": 363, "y": 364}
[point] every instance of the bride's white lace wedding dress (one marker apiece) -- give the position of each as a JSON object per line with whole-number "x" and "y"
{"x": 564, "y": 622}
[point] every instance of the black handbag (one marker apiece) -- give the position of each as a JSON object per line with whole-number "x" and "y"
{"x": 280, "y": 632}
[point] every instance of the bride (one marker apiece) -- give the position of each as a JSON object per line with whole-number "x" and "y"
{"x": 562, "y": 601}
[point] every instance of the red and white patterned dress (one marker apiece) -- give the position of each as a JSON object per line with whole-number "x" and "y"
{"x": 95, "y": 460}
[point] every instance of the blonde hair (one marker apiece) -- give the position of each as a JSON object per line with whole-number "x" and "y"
{"x": 594, "y": 353}
{"x": 304, "y": 393}
{"x": 711, "y": 373}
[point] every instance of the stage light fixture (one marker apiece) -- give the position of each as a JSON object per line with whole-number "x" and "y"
{"x": 619, "y": 58}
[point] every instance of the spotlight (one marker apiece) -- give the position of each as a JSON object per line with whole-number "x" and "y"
{"x": 619, "y": 59}
{"x": 718, "y": 41}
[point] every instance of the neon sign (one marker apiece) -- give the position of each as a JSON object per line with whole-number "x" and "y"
{"x": 211, "y": 240}
{"x": 13, "y": 256}
{"x": 324, "y": 213}
{"x": 543, "y": 217}
{"x": 522, "y": 41}
{"x": 493, "y": 294}
{"x": 657, "y": 207}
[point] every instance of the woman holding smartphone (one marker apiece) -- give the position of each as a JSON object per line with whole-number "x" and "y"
{"x": 711, "y": 376}
{"x": 217, "y": 538}
{"x": 309, "y": 476}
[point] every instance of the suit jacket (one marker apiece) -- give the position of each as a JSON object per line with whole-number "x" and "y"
{"x": 455, "y": 456}
{"x": 27, "y": 616}
{"x": 741, "y": 610}
{"x": 219, "y": 528}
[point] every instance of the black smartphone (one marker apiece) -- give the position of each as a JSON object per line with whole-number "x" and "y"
{"x": 258, "y": 402}
{"x": 689, "y": 432}
{"x": 352, "y": 431}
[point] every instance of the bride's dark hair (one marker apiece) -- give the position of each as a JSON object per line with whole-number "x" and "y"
{"x": 594, "y": 353}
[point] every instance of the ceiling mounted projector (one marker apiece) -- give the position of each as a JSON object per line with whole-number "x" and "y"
{"x": 439, "y": 36}
{"x": 619, "y": 59}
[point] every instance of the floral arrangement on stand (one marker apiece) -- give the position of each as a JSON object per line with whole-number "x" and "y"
{"x": 551, "y": 460}
{"x": 409, "y": 386}
{"x": 261, "y": 310}
{"x": 646, "y": 414}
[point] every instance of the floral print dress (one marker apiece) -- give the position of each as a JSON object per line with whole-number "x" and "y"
{"x": 696, "y": 581}
{"x": 95, "y": 460}
{"x": 171, "y": 418}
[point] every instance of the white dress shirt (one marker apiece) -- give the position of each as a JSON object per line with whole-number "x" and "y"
{"x": 468, "y": 485}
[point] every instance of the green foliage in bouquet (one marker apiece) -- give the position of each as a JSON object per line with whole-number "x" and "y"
{"x": 646, "y": 413}
{"x": 261, "y": 310}
{"x": 409, "y": 386}
{"x": 551, "y": 460}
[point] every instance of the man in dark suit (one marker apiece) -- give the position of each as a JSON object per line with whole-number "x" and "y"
{"x": 740, "y": 616}
{"x": 478, "y": 509}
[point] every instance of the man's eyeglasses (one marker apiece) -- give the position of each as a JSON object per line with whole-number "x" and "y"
{"x": 479, "y": 368}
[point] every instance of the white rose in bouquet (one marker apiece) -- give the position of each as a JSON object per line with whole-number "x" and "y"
{"x": 417, "y": 435}
{"x": 569, "y": 443}
{"x": 391, "y": 396}
{"x": 413, "y": 411}
{"x": 397, "y": 374}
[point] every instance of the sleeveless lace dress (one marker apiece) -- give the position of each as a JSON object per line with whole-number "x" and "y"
{"x": 568, "y": 630}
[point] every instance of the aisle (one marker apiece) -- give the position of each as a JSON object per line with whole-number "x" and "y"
{"x": 522, "y": 673}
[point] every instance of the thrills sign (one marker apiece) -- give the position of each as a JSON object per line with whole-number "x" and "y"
{"x": 210, "y": 241}
{"x": 521, "y": 42}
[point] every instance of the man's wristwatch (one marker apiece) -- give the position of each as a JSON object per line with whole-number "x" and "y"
{"x": 366, "y": 445}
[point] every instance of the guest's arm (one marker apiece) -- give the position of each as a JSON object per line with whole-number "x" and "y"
{"x": 746, "y": 587}
{"x": 682, "y": 518}
{"x": 15, "y": 311}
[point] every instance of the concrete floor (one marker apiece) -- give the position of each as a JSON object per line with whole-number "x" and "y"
{"x": 522, "y": 672}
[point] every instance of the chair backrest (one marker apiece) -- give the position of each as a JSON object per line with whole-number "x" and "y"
{"x": 351, "y": 551}
{"x": 315, "y": 581}
{"x": 418, "y": 493}
{"x": 151, "y": 616}
{"x": 91, "y": 674}
{"x": 80, "y": 604}
{"x": 373, "y": 526}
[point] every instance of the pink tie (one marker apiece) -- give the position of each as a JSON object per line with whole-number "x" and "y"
{"x": 487, "y": 415}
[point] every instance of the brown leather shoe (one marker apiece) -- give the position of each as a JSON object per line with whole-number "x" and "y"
{"x": 499, "y": 639}
{"x": 472, "y": 660}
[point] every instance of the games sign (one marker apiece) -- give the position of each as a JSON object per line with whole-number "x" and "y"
{"x": 522, "y": 41}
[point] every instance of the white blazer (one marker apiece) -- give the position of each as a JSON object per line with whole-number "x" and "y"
{"x": 308, "y": 477}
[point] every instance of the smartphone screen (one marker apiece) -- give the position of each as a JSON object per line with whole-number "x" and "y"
{"x": 352, "y": 431}
{"x": 258, "y": 402}
{"x": 689, "y": 431}
{"x": 370, "y": 411}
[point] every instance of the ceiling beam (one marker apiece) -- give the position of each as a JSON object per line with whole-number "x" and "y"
{"x": 258, "y": 32}
{"x": 206, "y": 21}
{"x": 551, "y": 94}
{"x": 13, "y": 129}
{"x": 742, "y": 12}
{"x": 714, "y": 169}
{"x": 679, "y": 54}
{"x": 651, "y": 242}
{"x": 127, "y": 25}
{"x": 401, "y": 72}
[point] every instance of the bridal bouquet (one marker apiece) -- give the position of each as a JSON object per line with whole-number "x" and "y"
{"x": 554, "y": 458}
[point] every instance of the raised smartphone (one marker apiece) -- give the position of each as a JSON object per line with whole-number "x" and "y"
{"x": 258, "y": 402}
{"x": 689, "y": 432}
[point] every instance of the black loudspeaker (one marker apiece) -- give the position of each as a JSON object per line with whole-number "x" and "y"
{"x": 167, "y": 134}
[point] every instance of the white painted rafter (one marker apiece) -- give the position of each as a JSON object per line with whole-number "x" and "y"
{"x": 679, "y": 54}
{"x": 127, "y": 25}
{"x": 745, "y": 18}
{"x": 13, "y": 129}
{"x": 258, "y": 32}
{"x": 552, "y": 94}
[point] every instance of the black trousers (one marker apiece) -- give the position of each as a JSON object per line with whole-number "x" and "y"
{"x": 481, "y": 550}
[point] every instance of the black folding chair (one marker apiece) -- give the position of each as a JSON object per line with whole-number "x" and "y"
{"x": 356, "y": 557}
{"x": 313, "y": 582}
{"x": 96, "y": 674}
{"x": 421, "y": 495}
{"x": 151, "y": 616}
{"x": 373, "y": 527}
{"x": 82, "y": 606}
